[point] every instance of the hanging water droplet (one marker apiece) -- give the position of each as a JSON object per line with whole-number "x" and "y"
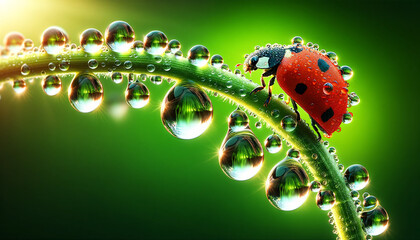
{"x": 156, "y": 80}
{"x": 14, "y": 42}
{"x": 19, "y": 86}
{"x": 93, "y": 64}
{"x": 354, "y": 195}
{"x": 28, "y": 44}
{"x": 85, "y": 92}
{"x": 315, "y": 186}
{"x": 53, "y": 40}
{"x": 51, "y": 85}
{"x": 238, "y": 120}
{"x": 297, "y": 40}
{"x": 332, "y": 56}
{"x": 273, "y": 143}
{"x": 174, "y": 46}
{"x": 356, "y": 176}
{"x": 354, "y": 99}
{"x": 288, "y": 123}
{"x": 325, "y": 199}
{"x": 287, "y": 185}
{"x": 117, "y": 77}
{"x": 119, "y": 36}
{"x": 216, "y": 61}
{"x": 25, "y": 69}
{"x": 328, "y": 88}
{"x": 186, "y": 111}
{"x": 375, "y": 221}
{"x": 346, "y": 72}
{"x": 198, "y": 55}
{"x": 138, "y": 46}
{"x": 370, "y": 203}
{"x": 150, "y": 68}
{"x": 293, "y": 154}
{"x": 137, "y": 95}
{"x": 155, "y": 42}
{"x": 347, "y": 118}
{"x": 91, "y": 40}
{"x": 241, "y": 155}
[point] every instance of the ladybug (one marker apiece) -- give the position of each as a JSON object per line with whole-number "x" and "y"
{"x": 312, "y": 80}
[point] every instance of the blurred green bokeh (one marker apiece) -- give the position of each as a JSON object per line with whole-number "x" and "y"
{"x": 65, "y": 174}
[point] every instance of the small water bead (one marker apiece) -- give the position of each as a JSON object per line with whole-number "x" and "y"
{"x": 328, "y": 88}
{"x": 273, "y": 143}
{"x": 51, "y": 66}
{"x": 28, "y": 44}
{"x": 288, "y": 123}
{"x": 51, "y": 85}
{"x": 346, "y": 72}
{"x": 143, "y": 77}
{"x": 369, "y": 237}
{"x": 347, "y": 118}
{"x": 150, "y": 68}
{"x": 356, "y": 176}
{"x": 293, "y": 154}
{"x": 137, "y": 95}
{"x": 354, "y": 195}
{"x": 238, "y": 120}
{"x": 128, "y": 64}
{"x": 332, "y": 150}
{"x": 156, "y": 80}
{"x": 25, "y": 69}
{"x": 365, "y": 195}
{"x": 326, "y": 143}
{"x": 354, "y": 99}
{"x": 375, "y": 221}
{"x": 93, "y": 64}
{"x": 91, "y": 40}
{"x": 287, "y": 185}
{"x": 315, "y": 186}
{"x": 315, "y": 46}
{"x": 357, "y": 202}
{"x": 309, "y": 44}
{"x": 186, "y": 111}
{"x": 297, "y": 40}
{"x": 64, "y": 65}
{"x": 198, "y": 55}
{"x": 174, "y": 45}
{"x": 117, "y": 77}
{"x": 85, "y": 92}
{"x": 325, "y": 199}
{"x": 138, "y": 46}
{"x": 340, "y": 167}
{"x": 238, "y": 72}
{"x": 225, "y": 67}
{"x": 370, "y": 203}
{"x": 258, "y": 125}
{"x": 13, "y": 42}
{"x": 332, "y": 56}
{"x": 178, "y": 54}
{"x": 19, "y": 86}
{"x": 53, "y": 40}
{"x": 166, "y": 66}
{"x": 216, "y": 61}
{"x": 119, "y": 36}
{"x": 155, "y": 42}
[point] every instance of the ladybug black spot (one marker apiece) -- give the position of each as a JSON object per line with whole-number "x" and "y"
{"x": 329, "y": 113}
{"x": 301, "y": 88}
{"x": 323, "y": 65}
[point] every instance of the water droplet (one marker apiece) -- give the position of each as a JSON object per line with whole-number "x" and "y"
{"x": 128, "y": 64}
{"x": 375, "y": 221}
{"x": 93, "y": 64}
{"x": 138, "y": 46}
{"x": 137, "y": 95}
{"x": 314, "y": 156}
{"x": 356, "y": 176}
{"x": 288, "y": 123}
{"x": 19, "y": 86}
{"x": 51, "y": 85}
{"x": 325, "y": 199}
{"x": 25, "y": 69}
{"x": 238, "y": 72}
{"x": 198, "y": 55}
{"x": 365, "y": 195}
{"x": 225, "y": 67}
{"x": 332, "y": 56}
{"x": 186, "y": 111}
{"x": 51, "y": 66}
{"x": 354, "y": 99}
{"x": 326, "y": 143}
{"x": 14, "y": 42}
{"x": 347, "y": 118}
{"x": 340, "y": 167}
{"x": 53, "y": 40}
{"x": 297, "y": 40}
{"x": 143, "y": 77}
{"x": 156, "y": 80}
{"x": 28, "y": 44}
{"x": 258, "y": 125}
{"x": 273, "y": 143}
{"x": 119, "y": 36}
{"x": 85, "y": 92}
{"x": 293, "y": 154}
{"x": 315, "y": 186}
{"x": 328, "y": 88}
{"x": 155, "y": 42}
{"x": 91, "y": 40}
{"x": 315, "y": 46}
{"x": 332, "y": 150}
{"x": 241, "y": 155}
{"x": 216, "y": 61}
{"x": 117, "y": 77}
{"x": 370, "y": 203}
{"x": 150, "y": 68}
{"x": 166, "y": 66}
{"x": 354, "y": 194}
{"x": 309, "y": 44}
{"x": 64, "y": 65}
{"x": 174, "y": 46}
{"x": 287, "y": 185}
{"x": 238, "y": 121}
{"x": 178, "y": 54}
{"x": 346, "y": 72}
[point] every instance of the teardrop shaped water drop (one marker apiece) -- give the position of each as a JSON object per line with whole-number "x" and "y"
{"x": 186, "y": 110}
{"x": 137, "y": 94}
{"x": 119, "y": 36}
{"x": 85, "y": 92}
{"x": 356, "y": 176}
{"x": 375, "y": 221}
{"x": 53, "y": 40}
{"x": 155, "y": 42}
{"x": 238, "y": 120}
{"x": 91, "y": 40}
{"x": 287, "y": 186}
{"x": 198, "y": 55}
{"x": 51, "y": 85}
{"x": 19, "y": 86}
{"x": 273, "y": 143}
{"x": 14, "y": 42}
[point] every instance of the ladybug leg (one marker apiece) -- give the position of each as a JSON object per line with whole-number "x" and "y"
{"x": 257, "y": 89}
{"x": 267, "y": 101}
{"x": 313, "y": 123}
{"x": 295, "y": 107}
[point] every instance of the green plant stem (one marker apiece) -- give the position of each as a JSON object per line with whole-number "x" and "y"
{"x": 319, "y": 161}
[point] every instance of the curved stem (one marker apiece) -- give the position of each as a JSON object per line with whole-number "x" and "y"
{"x": 319, "y": 161}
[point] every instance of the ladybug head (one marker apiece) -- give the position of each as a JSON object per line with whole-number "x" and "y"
{"x": 264, "y": 58}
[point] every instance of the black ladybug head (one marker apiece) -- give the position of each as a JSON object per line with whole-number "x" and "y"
{"x": 264, "y": 58}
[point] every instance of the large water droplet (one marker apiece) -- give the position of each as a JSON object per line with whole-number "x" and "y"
{"x": 53, "y": 40}
{"x": 186, "y": 111}
{"x": 85, "y": 92}
{"x": 174, "y": 46}
{"x": 356, "y": 176}
{"x": 288, "y": 123}
{"x": 19, "y": 86}
{"x": 287, "y": 186}
{"x": 370, "y": 203}
{"x": 375, "y": 221}
{"x": 198, "y": 55}
{"x": 51, "y": 85}
{"x": 137, "y": 95}
{"x": 241, "y": 155}
{"x": 325, "y": 199}
{"x": 155, "y": 42}
{"x": 14, "y": 42}
{"x": 332, "y": 56}
{"x": 238, "y": 120}
{"x": 91, "y": 40}
{"x": 273, "y": 143}
{"x": 119, "y": 36}
{"x": 297, "y": 40}
{"x": 216, "y": 61}
{"x": 346, "y": 72}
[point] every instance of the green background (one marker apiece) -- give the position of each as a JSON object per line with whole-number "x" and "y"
{"x": 66, "y": 174}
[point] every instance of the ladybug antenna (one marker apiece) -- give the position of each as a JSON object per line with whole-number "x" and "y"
{"x": 239, "y": 64}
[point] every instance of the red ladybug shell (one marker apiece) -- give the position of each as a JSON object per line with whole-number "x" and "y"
{"x": 303, "y": 75}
